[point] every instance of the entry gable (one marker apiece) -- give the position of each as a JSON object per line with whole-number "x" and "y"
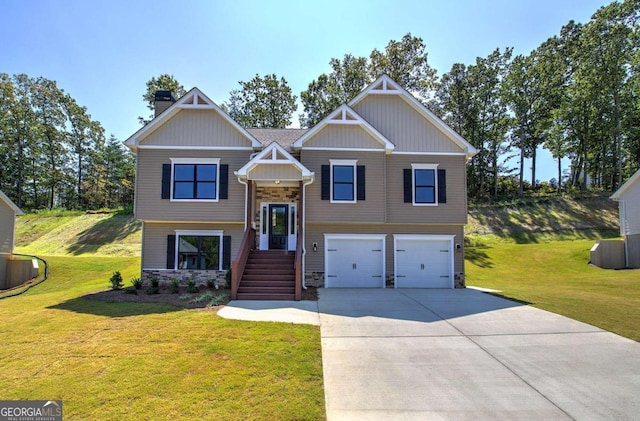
{"x": 274, "y": 163}
{"x": 385, "y": 87}
{"x": 192, "y": 121}
{"x": 342, "y": 124}
{"x": 9, "y": 203}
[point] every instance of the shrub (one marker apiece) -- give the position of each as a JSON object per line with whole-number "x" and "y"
{"x": 116, "y": 280}
{"x": 191, "y": 286}
{"x": 154, "y": 288}
{"x": 131, "y": 290}
{"x": 217, "y": 300}
{"x": 207, "y": 296}
{"x": 136, "y": 283}
{"x": 211, "y": 283}
{"x": 227, "y": 279}
{"x": 175, "y": 286}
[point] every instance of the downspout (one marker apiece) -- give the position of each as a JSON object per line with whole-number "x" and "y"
{"x": 246, "y": 200}
{"x": 626, "y": 249}
{"x": 304, "y": 231}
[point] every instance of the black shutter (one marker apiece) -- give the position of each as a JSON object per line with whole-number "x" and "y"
{"x": 325, "y": 182}
{"x": 442, "y": 186}
{"x": 171, "y": 251}
{"x": 166, "y": 181}
{"x": 224, "y": 181}
{"x": 361, "y": 183}
{"x": 408, "y": 186}
{"x": 226, "y": 252}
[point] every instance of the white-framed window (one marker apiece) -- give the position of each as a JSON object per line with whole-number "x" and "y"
{"x": 343, "y": 180}
{"x": 195, "y": 179}
{"x": 425, "y": 184}
{"x": 198, "y": 250}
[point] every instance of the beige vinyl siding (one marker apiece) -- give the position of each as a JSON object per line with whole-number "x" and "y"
{"x": 343, "y": 136}
{"x": 274, "y": 172}
{"x": 196, "y": 128}
{"x": 630, "y": 221}
{"x": 3, "y": 270}
{"x": 452, "y": 212}
{"x": 401, "y": 124}
{"x": 150, "y": 205}
{"x": 7, "y": 223}
{"x": 369, "y": 210}
{"x": 315, "y": 233}
{"x": 154, "y": 240}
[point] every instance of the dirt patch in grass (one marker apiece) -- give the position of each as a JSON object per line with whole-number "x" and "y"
{"x": 183, "y": 299}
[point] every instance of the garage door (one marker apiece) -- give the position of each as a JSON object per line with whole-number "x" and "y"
{"x": 354, "y": 261}
{"x": 423, "y": 261}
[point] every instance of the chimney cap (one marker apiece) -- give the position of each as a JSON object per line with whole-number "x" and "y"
{"x": 164, "y": 96}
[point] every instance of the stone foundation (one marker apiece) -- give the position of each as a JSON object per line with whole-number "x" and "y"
{"x": 185, "y": 275}
{"x": 316, "y": 279}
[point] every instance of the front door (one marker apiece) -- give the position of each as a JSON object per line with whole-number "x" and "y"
{"x": 278, "y": 218}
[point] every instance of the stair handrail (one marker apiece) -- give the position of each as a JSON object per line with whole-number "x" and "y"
{"x": 238, "y": 265}
{"x": 298, "y": 264}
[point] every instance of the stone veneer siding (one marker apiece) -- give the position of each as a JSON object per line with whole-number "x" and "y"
{"x": 316, "y": 279}
{"x": 184, "y": 275}
{"x": 274, "y": 195}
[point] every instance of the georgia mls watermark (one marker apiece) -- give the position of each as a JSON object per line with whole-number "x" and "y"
{"x": 30, "y": 410}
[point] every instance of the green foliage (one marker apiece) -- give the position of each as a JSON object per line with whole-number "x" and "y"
{"x": 262, "y": 102}
{"x": 136, "y": 282}
{"x": 154, "y": 286}
{"x": 227, "y": 279}
{"x": 191, "y": 286}
{"x": 175, "y": 286}
{"x": 131, "y": 290}
{"x": 164, "y": 82}
{"x": 218, "y": 300}
{"x": 206, "y": 296}
{"x": 116, "y": 280}
{"x": 211, "y": 283}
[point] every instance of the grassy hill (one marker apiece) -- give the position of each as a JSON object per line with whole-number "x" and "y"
{"x": 78, "y": 233}
{"x": 64, "y": 233}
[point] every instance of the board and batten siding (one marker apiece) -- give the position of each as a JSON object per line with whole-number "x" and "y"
{"x": 343, "y": 136}
{"x": 154, "y": 240}
{"x": 7, "y": 224}
{"x": 196, "y": 128}
{"x": 454, "y": 211}
{"x": 369, "y": 210}
{"x": 404, "y": 126}
{"x": 315, "y": 234}
{"x": 150, "y": 206}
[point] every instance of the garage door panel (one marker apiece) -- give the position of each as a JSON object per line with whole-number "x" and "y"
{"x": 423, "y": 263}
{"x": 355, "y": 262}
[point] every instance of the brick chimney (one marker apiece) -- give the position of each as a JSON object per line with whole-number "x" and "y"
{"x": 162, "y": 101}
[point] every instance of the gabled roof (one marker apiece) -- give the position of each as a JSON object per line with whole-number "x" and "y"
{"x": 194, "y": 99}
{"x": 630, "y": 182}
{"x": 10, "y": 203}
{"x": 384, "y": 85}
{"x": 274, "y": 154}
{"x": 345, "y": 115}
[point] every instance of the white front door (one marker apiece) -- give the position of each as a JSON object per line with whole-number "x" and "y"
{"x": 278, "y": 226}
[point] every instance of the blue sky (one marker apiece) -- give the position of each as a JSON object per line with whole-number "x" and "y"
{"x": 102, "y": 52}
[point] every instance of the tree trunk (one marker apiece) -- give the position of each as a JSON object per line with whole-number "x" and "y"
{"x": 559, "y": 175}
{"x": 521, "y": 175}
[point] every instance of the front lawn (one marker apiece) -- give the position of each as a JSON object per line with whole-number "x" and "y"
{"x": 151, "y": 361}
{"x": 556, "y": 276}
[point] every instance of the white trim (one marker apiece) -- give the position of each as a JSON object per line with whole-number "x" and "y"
{"x": 198, "y": 148}
{"x": 430, "y": 153}
{"x": 199, "y": 233}
{"x": 195, "y": 161}
{"x": 269, "y": 156}
{"x": 342, "y": 111}
{"x": 345, "y": 163}
{"x": 10, "y": 203}
{"x": 418, "y": 166}
{"x": 323, "y": 148}
{"x": 425, "y": 237}
{"x": 390, "y": 87}
{"x": 380, "y": 237}
{"x": 618, "y": 194}
{"x": 291, "y": 236}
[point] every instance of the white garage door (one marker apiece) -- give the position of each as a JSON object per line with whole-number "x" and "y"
{"x": 354, "y": 261}
{"x": 423, "y": 261}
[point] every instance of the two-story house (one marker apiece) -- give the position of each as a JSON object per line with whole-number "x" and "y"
{"x": 374, "y": 195}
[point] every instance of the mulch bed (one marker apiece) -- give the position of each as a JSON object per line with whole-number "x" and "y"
{"x": 182, "y": 299}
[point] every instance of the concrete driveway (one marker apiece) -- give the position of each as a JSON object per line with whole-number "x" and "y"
{"x": 462, "y": 354}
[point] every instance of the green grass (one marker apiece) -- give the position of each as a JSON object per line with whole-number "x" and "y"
{"x": 556, "y": 276}
{"x": 150, "y": 361}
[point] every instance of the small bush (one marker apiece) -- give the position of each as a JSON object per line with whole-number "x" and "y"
{"x": 184, "y": 297}
{"x": 191, "y": 286}
{"x": 116, "y": 280}
{"x": 227, "y": 279}
{"x": 136, "y": 283}
{"x": 217, "y": 300}
{"x": 207, "y": 296}
{"x": 175, "y": 286}
{"x": 154, "y": 288}
{"x": 131, "y": 290}
{"x": 211, "y": 283}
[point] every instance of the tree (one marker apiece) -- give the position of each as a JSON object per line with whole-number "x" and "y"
{"x": 262, "y": 102}
{"x": 164, "y": 82}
